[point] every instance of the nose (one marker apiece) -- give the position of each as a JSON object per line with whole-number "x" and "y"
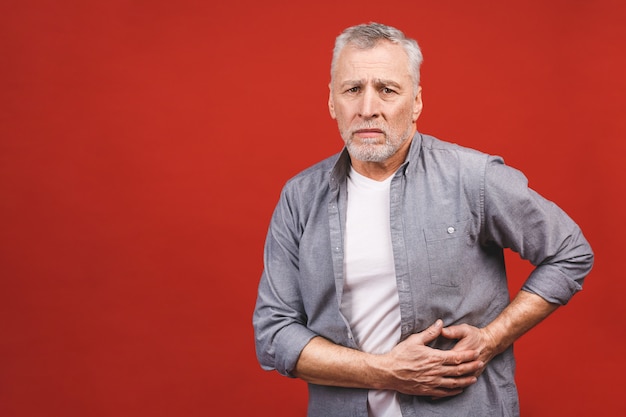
{"x": 370, "y": 104}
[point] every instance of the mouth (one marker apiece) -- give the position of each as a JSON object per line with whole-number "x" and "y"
{"x": 368, "y": 133}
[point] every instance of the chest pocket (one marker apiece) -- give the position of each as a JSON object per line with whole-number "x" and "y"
{"x": 446, "y": 245}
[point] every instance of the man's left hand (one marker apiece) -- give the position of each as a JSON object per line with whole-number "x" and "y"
{"x": 472, "y": 338}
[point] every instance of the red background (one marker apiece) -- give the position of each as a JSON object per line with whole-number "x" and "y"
{"x": 143, "y": 145}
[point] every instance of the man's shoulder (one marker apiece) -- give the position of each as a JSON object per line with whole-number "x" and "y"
{"x": 316, "y": 171}
{"x": 452, "y": 160}
{"x": 433, "y": 144}
{"x": 313, "y": 178}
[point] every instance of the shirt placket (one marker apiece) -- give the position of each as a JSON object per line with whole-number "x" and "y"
{"x": 400, "y": 254}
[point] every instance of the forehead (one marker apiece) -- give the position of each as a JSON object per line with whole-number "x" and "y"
{"x": 386, "y": 60}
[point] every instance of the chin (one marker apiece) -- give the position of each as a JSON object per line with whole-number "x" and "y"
{"x": 370, "y": 153}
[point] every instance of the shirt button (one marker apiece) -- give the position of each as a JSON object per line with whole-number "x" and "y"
{"x": 451, "y": 230}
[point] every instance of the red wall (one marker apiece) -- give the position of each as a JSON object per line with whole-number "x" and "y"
{"x": 143, "y": 145}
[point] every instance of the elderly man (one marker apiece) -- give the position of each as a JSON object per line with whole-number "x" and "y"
{"x": 384, "y": 284}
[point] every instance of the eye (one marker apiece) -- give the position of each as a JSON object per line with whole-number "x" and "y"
{"x": 387, "y": 90}
{"x": 353, "y": 90}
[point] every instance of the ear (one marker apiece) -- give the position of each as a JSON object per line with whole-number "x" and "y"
{"x": 331, "y": 103}
{"x": 418, "y": 105}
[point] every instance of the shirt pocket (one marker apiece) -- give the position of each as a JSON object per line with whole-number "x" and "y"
{"x": 445, "y": 245}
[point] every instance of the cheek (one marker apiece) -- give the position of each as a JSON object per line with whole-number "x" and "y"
{"x": 403, "y": 117}
{"x": 341, "y": 116}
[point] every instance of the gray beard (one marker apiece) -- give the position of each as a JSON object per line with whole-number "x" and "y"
{"x": 371, "y": 152}
{"x": 376, "y": 153}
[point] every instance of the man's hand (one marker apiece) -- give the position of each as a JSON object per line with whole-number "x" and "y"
{"x": 472, "y": 338}
{"x": 525, "y": 312}
{"x": 411, "y": 367}
{"x": 420, "y": 370}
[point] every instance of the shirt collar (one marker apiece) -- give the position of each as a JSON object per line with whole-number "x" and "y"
{"x": 340, "y": 170}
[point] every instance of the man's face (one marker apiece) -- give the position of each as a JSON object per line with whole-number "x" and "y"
{"x": 373, "y": 101}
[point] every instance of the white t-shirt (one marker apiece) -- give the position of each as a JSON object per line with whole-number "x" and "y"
{"x": 370, "y": 296}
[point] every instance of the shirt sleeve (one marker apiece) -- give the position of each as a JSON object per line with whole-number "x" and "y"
{"x": 279, "y": 319}
{"x": 518, "y": 218}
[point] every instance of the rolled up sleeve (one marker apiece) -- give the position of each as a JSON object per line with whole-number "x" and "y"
{"x": 518, "y": 218}
{"x": 279, "y": 320}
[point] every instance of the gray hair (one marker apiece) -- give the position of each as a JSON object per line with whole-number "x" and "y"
{"x": 366, "y": 36}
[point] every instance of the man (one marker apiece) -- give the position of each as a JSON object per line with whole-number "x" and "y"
{"x": 384, "y": 284}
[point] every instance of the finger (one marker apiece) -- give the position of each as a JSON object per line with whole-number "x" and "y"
{"x": 452, "y": 357}
{"x": 454, "y": 332}
{"x": 454, "y": 384}
{"x": 432, "y": 332}
{"x": 468, "y": 369}
{"x": 443, "y": 393}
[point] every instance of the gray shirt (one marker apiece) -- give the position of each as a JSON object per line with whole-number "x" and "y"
{"x": 453, "y": 210}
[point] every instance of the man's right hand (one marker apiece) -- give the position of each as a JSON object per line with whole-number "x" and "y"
{"x": 411, "y": 367}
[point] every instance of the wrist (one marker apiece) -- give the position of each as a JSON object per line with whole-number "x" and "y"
{"x": 495, "y": 339}
{"x": 378, "y": 373}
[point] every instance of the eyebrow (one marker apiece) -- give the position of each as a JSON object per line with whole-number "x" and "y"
{"x": 377, "y": 81}
{"x": 390, "y": 83}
